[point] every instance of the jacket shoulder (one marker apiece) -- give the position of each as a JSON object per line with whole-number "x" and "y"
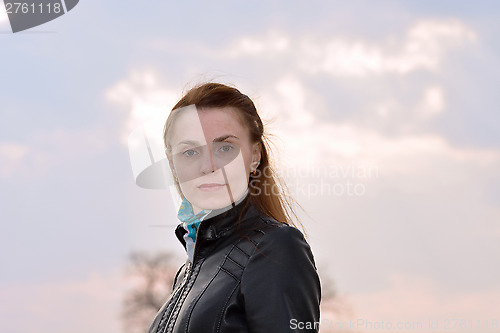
{"x": 282, "y": 240}
{"x": 280, "y": 232}
{"x": 273, "y": 239}
{"x": 281, "y": 277}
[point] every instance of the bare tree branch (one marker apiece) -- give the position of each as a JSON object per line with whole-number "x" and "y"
{"x": 150, "y": 277}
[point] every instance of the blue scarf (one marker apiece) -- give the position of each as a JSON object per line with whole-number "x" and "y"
{"x": 190, "y": 222}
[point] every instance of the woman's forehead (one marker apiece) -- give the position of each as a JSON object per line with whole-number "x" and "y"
{"x": 206, "y": 125}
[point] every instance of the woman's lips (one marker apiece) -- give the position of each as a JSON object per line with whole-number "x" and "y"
{"x": 211, "y": 187}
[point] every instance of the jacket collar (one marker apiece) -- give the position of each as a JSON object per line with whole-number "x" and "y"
{"x": 215, "y": 227}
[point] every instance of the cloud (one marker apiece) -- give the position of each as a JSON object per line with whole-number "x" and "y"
{"x": 11, "y": 156}
{"x": 423, "y": 48}
{"x": 272, "y": 43}
{"x": 433, "y": 102}
{"x": 305, "y": 134}
{"x": 147, "y": 102}
{"x": 91, "y": 304}
{"x": 377, "y": 66}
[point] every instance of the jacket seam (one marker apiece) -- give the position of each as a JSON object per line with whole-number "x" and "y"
{"x": 221, "y": 314}
{"x": 235, "y": 262}
{"x": 236, "y": 246}
{"x": 229, "y": 273}
{"x": 208, "y": 285}
{"x": 177, "y": 276}
{"x": 199, "y": 297}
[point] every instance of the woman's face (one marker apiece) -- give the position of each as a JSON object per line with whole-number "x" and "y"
{"x": 211, "y": 156}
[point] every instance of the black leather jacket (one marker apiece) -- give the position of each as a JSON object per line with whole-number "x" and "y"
{"x": 256, "y": 275}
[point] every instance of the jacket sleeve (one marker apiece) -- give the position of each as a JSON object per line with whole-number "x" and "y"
{"x": 280, "y": 285}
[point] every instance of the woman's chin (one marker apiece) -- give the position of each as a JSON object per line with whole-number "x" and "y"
{"x": 211, "y": 200}
{"x": 214, "y": 197}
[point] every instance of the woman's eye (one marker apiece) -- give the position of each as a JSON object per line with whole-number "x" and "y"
{"x": 226, "y": 148}
{"x": 189, "y": 153}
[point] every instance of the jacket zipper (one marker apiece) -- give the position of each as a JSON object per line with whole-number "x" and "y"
{"x": 183, "y": 291}
{"x": 180, "y": 292}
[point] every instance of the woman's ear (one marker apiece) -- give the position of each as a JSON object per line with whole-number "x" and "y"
{"x": 256, "y": 155}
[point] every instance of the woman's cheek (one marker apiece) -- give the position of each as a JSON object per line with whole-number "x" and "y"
{"x": 237, "y": 176}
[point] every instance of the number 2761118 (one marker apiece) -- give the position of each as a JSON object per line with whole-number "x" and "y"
{"x": 32, "y": 8}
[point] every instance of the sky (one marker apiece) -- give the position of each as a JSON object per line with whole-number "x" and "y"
{"x": 384, "y": 122}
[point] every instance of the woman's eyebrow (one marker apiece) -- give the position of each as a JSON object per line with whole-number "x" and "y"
{"x": 224, "y": 137}
{"x": 188, "y": 142}
{"x": 197, "y": 143}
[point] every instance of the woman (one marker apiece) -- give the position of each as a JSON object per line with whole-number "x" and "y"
{"x": 248, "y": 268}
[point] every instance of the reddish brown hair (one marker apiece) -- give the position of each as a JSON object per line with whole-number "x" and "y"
{"x": 266, "y": 188}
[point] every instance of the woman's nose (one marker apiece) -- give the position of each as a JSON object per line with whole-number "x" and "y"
{"x": 207, "y": 161}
